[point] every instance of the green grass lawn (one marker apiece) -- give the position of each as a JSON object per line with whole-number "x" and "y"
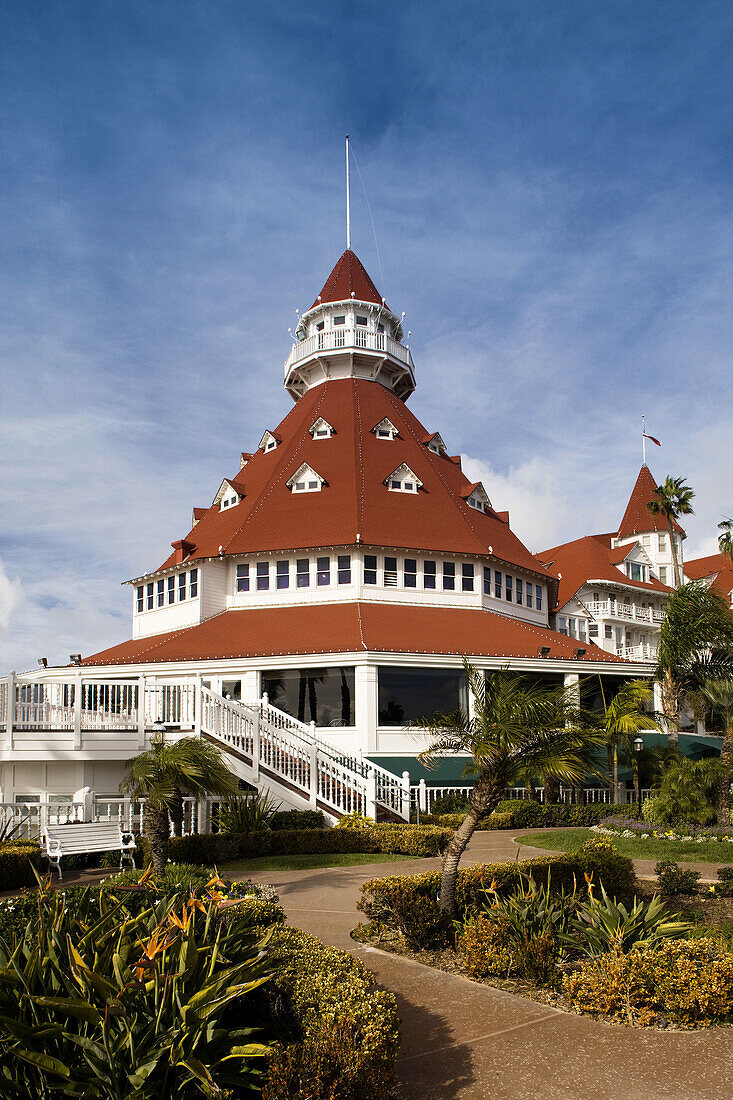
{"x": 567, "y": 840}
{"x": 306, "y": 862}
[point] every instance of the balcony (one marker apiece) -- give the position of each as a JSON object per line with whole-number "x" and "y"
{"x": 642, "y": 652}
{"x": 346, "y": 339}
{"x": 606, "y": 609}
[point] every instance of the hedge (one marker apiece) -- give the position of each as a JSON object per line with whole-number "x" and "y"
{"x": 526, "y": 813}
{"x": 17, "y": 861}
{"x": 298, "y": 819}
{"x": 348, "y": 1030}
{"x": 394, "y": 901}
{"x": 452, "y": 821}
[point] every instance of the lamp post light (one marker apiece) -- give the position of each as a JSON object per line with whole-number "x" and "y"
{"x": 638, "y": 746}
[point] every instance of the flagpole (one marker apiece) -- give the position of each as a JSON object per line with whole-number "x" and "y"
{"x": 643, "y": 440}
{"x": 348, "y": 199}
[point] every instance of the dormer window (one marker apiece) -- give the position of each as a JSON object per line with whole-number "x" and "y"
{"x": 227, "y": 496}
{"x": 385, "y": 429}
{"x": 403, "y": 480}
{"x": 435, "y": 443}
{"x": 361, "y": 320}
{"x": 321, "y": 429}
{"x": 477, "y": 497}
{"x": 305, "y": 480}
{"x": 268, "y": 442}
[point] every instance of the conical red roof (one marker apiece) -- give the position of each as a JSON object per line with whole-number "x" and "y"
{"x": 348, "y": 277}
{"x": 637, "y": 517}
{"x": 355, "y": 504}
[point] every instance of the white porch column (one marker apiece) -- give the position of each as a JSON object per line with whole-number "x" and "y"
{"x": 406, "y": 794}
{"x": 314, "y": 775}
{"x": 366, "y": 707}
{"x": 256, "y": 746}
{"x": 77, "y": 710}
{"x": 197, "y": 704}
{"x": 371, "y": 794}
{"x": 422, "y": 796}
{"x": 141, "y": 712}
{"x": 10, "y": 710}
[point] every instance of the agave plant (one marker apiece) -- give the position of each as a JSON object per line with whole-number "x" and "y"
{"x": 531, "y": 909}
{"x": 97, "y": 1004}
{"x": 602, "y": 925}
{"x": 247, "y": 813}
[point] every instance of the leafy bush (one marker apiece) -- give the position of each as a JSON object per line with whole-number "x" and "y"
{"x": 497, "y": 821}
{"x": 672, "y": 880}
{"x": 246, "y": 813}
{"x": 405, "y": 839}
{"x": 451, "y": 803}
{"x": 298, "y": 819}
{"x": 202, "y": 848}
{"x": 486, "y": 946}
{"x": 383, "y": 899}
{"x": 724, "y": 887}
{"x": 253, "y": 912}
{"x": 683, "y": 981}
{"x": 17, "y": 860}
{"x": 445, "y": 821}
{"x": 537, "y": 815}
{"x": 348, "y": 1030}
{"x": 160, "y": 1004}
{"x": 652, "y": 811}
{"x": 354, "y": 820}
{"x": 602, "y": 925}
{"x": 685, "y": 791}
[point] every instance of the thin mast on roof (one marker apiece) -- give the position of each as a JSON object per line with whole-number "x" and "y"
{"x": 643, "y": 440}
{"x": 348, "y": 200}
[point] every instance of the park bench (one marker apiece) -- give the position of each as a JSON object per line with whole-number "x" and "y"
{"x": 84, "y": 838}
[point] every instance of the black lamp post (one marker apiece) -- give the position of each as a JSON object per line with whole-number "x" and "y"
{"x": 638, "y": 746}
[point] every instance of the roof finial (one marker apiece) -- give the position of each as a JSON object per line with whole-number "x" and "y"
{"x": 348, "y": 200}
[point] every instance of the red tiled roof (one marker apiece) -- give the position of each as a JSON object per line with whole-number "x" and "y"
{"x": 717, "y": 566}
{"x": 355, "y": 464}
{"x": 350, "y": 628}
{"x": 349, "y": 274}
{"x": 590, "y": 559}
{"x": 637, "y": 517}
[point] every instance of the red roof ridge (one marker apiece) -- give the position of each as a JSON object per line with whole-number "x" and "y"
{"x": 349, "y": 280}
{"x": 637, "y": 518}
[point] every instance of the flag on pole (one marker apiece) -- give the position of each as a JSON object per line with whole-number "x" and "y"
{"x": 652, "y": 439}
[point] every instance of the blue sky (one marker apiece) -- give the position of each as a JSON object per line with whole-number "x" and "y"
{"x": 552, "y": 189}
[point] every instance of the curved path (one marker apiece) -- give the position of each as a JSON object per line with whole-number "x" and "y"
{"x": 464, "y": 1040}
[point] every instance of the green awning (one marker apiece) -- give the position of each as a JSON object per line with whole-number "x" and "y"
{"x": 448, "y": 772}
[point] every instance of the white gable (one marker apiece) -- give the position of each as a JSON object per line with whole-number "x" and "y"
{"x": 227, "y": 496}
{"x": 305, "y": 480}
{"x": 321, "y": 429}
{"x": 435, "y": 443}
{"x": 479, "y": 498}
{"x": 268, "y": 442}
{"x": 385, "y": 429}
{"x": 403, "y": 480}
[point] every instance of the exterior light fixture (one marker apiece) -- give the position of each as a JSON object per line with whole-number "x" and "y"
{"x": 544, "y": 651}
{"x": 638, "y": 746}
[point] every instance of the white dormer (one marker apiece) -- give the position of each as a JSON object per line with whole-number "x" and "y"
{"x": 321, "y": 429}
{"x": 435, "y": 443}
{"x": 268, "y": 442}
{"x": 403, "y": 480}
{"x": 305, "y": 480}
{"x": 227, "y": 496}
{"x": 385, "y": 429}
{"x": 477, "y": 497}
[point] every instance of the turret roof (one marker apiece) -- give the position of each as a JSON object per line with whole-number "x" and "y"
{"x": 637, "y": 518}
{"x": 349, "y": 279}
{"x": 355, "y": 506}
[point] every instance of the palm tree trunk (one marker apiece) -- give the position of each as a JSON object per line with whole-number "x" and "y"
{"x": 552, "y": 790}
{"x": 481, "y": 803}
{"x": 157, "y": 830}
{"x": 176, "y": 812}
{"x": 675, "y": 560}
{"x": 670, "y": 707}
{"x": 722, "y": 783}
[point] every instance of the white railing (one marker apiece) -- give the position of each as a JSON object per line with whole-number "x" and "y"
{"x": 424, "y": 797}
{"x": 289, "y": 752}
{"x": 26, "y": 820}
{"x": 643, "y": 614}
{"x": 348, "y": 338}
{"x": 641, "y": 652}
{"x": 567, "y": 794}
{"x": 173, "y": 705}
{"x": 658, "y": 616}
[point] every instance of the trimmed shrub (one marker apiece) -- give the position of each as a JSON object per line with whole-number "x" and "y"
{"x": 724, "y": 886}
{"x": 253, "y": 912}
{"x": 497, "y": 821}
{"x": 672, "y": 880}
{"x": 298, "y": 819}
{"x": 537, "y": 815}
{"x": 354, "y": 820}
{"x": 347, "y": 1030}
{"x": 413, "y": 840}
{"x": 17, "y": 860}
{"x": 451, "y": 803}
{"x": 688, "y": 982}
{"x": 385, "y": 900}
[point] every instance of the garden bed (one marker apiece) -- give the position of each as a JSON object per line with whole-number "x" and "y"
{"x": 692, "y": 851}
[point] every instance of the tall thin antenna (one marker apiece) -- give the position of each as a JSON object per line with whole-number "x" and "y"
{"x": 348, "y": 199}
{"x": 643, "y": 439}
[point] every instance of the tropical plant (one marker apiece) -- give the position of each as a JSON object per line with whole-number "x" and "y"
{"x": 725, "y": 538}
{"x": 516, "y": 728}
{"x": 695, "y": 646}
{"x": 602, "y": 925}
{"x": 191, "y": 765}
{"x": 531, "y": 910}
{"x": 99, "y": 1004}
{"x": 621, "y": 721}
{"x": 685, "y": 791}
{"x": 355, "y": 820}
{"x": 672, "y": 499}
{"x": 719, "y": 695}
{"x": 247, "y": 813}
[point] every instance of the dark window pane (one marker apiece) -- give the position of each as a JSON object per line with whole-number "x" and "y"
{"x": 406, "y": 695}
{"x": 467, "y": 577}
{"x": 161, "y": 593}
{"x": 283, "y": 574}
{"x": 429, "y": 573}
{"x": 344, "y": 568}
{"x": 171, "y": 589}
{"x": 509, "y": 583}
{"x": 321, "y": 695}
{"x": 449, "y": 575}
{"x": 410, "y": 572}
{"x": 370, "y": 569}
{"x": 323, "y": 570}
{"x": 193, "y": 583}
{"x": 263, "y": 576}
{"x": 520, "y": 593}
{"x": 303, "y": 572}
{"x": 243, "y": 578}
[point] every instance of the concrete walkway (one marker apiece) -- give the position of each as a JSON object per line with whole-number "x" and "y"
{"x": 467, "y": 1041}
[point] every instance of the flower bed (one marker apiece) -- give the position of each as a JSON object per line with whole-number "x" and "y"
{"x": 634, "y": 829}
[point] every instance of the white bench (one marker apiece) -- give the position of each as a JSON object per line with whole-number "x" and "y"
{"x": 84, "y": 838}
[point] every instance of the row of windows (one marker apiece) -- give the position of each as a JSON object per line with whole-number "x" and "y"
{"x": 259, "y": 578}
{"x": 168, "y": 590}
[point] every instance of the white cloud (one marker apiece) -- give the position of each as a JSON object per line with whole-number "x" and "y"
{"x": 11, "y": 597}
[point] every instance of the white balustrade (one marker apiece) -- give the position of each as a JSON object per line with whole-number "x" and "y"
{"x": 348, "y": 338}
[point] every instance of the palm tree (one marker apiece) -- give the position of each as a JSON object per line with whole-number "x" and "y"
{"x": 695, "y": 645}
{"x": 725, "y": 540}
{"x": 719, "y": 694}
{"x": 160, "y": 773}
{"x": 623, "y": 719}
{"x": 673, "y": 499}
{"x": 517, "y": 729}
